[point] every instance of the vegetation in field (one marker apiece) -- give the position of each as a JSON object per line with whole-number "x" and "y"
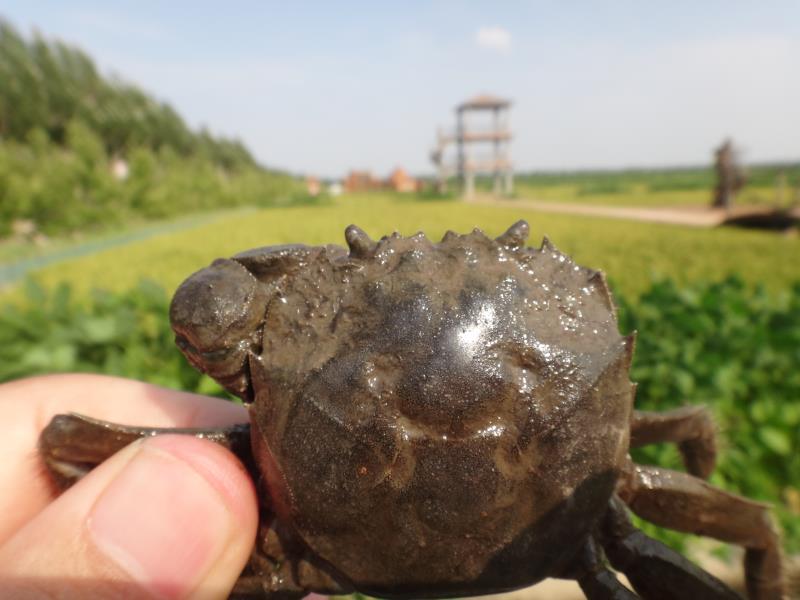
{"x": 64, "y": 127}
{"x": 620, "y": 180}
{"x": 729, "y": 346}
{"x": 71, "y": 187}
{"x": 658, "y": 187}
{"x": 18, "y": 254}
{"x": 629, "y": 253}
{"x": 736, "y": 350}
{"x": 121, "y": 334}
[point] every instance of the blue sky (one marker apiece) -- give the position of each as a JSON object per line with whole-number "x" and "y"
{"x": 323, "y": 87}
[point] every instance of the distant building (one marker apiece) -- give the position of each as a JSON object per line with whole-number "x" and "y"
{"x": 361, "y": 181}
{"x": 400, "y": 181}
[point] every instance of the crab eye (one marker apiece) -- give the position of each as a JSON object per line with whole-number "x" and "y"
{"x": 216, "y": 315}
{"x": 214, "y": 307}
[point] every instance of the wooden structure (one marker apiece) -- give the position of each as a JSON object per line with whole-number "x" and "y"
{"x": 473, "y": 134}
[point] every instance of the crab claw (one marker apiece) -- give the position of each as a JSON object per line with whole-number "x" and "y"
{"x": 217, "y": 316}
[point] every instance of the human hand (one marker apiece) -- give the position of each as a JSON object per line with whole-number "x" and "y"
{"x": 168, "y": 517}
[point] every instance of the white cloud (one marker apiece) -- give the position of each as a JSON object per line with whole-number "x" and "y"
{"x": 494, "y": 38}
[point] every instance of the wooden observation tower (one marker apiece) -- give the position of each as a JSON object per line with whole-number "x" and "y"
{"x": 482, "y": 138}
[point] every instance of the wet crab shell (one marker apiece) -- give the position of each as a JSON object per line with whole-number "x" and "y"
{"x": 429, "y": 417}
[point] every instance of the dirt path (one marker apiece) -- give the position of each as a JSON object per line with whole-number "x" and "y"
{"x": 692, "y": 216}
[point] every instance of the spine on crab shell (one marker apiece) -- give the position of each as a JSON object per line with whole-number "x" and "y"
{"x": 630, "y": 345}
{"x": 358, "y": 242}
{"x": 449, "y": 235}
{"x": 599, "y": 282}
{"x": 478, "y": 232}
{"x": 634, "y": 387}
{"x": 516, "y": 235}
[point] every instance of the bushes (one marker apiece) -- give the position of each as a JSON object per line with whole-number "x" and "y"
{"x": 62, "y": 124}
{"x": 116, "y": 334}
{"x": 721, "y": 344}
{"x": 737, "y": 351}
{"x": 68, "y": 188}
{"x": 46, "y": 85}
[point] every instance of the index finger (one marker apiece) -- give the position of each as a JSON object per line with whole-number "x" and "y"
{"x": 26, "y": 407}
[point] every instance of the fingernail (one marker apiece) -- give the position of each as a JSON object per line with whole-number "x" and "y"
{"x": 161, "y": 520}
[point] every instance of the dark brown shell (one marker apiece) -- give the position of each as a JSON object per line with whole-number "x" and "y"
{"x": 439, "y": 417}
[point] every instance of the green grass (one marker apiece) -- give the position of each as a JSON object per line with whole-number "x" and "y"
{"x": 630, "y": 253}
{"x": 639, "y": 195}
{"x": 688, "y": 186}
{"x": 15, "y": 250}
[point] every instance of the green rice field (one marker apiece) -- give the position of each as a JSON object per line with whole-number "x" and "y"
{"x": 632, "y": 254}
{"x": 638, "y": 195}
{"x": 767, "y": 185}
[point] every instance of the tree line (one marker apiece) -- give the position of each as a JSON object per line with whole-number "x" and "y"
{"x": 48, "y": 84}
{"x": 63, "y": 125}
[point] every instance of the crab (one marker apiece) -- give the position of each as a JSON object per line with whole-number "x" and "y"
{"x": 438, "y": 420}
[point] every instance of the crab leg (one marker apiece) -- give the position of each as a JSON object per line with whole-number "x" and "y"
{"x": 72, "y": 445}
{"x": 280, "y": 568}
{"x": 679, "y": 501}
{"x": 604, "y": 585}
{"x": 596, "y": 580}
{"x": 691, "y": 427}
{"x": 654, "y": 570}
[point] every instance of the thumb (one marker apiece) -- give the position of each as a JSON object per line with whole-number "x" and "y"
{"x": 170, "y": 516}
